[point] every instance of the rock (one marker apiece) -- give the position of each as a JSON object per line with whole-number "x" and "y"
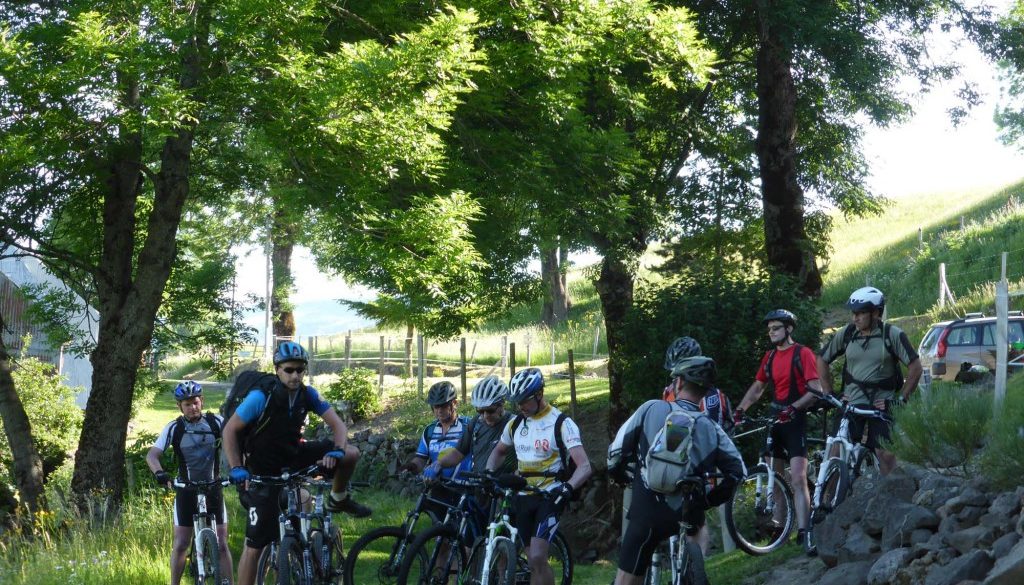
{"x": 934, "y": 497}
{"x": 970, "y": 496}
{"x": 902, "y": 521}
{"x": 1008, "y": 570}
{"x": 1019, "y": 528}
{"x": 885, "y": 568}
{"x": 969, "y": 515}
{"x": 971, "y": 538}
{"x": 998, "y": 522}
{"x": 974, "y": 565}
{"x": 859, "y": 546}
{"x": 1005, "y": 505}
{"x": 948, "y": 525}
{"x": 1004, "y": 544}
{"x": 377, "y": 439}
{"x": 920, "y": 535}
{"x": 933, "y": 480}
{"x": 847, "y": 574}
{"x": 369, "y": 449}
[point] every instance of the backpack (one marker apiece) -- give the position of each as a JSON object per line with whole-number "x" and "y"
{"x": 246, "y": 382}
{"x": 568, "y": 465}
{"x": 796, "y": 367}
{"x": 668, "y": 459}
{"x": 894, "y": 382}
{"x": 179, "y": 433}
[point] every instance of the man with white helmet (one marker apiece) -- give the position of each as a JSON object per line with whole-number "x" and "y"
{"x": 489, "y": 396}
{"x": 544, "y": 441}
{"x": 871, "y": 373}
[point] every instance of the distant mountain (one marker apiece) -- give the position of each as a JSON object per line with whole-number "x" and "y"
{"x": 319, "y": 317}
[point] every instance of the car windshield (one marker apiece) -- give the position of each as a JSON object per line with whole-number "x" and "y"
{"x": 929, "y": 339}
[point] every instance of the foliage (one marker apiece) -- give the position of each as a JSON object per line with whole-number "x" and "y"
{"x": 944, "y": 428}
{"x": 358, "y": 388}
{"x": 1002, "y": 459}
{"x": 723, "y": 314}
{"x": 147, "y": 386}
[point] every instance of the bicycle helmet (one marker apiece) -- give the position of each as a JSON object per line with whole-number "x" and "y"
{"x": 488, "y": 392}
{"x": 524, "y": 384}
{"x": 290, "y": 351}
{"x": 866, "y": 298}
{"x": 441, "y": 393}
{"x": 681, "y": 348}
{"x": 700, "y": 370}
{"x": 781, "y": 315}
{"x": 187, "y": 389}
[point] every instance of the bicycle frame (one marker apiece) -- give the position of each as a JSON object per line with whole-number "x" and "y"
{"x": 202, "y": 520}
{"x": 500, "y": 521}
{"x": 846, "y": 450}
{"x": 765, "y": 490}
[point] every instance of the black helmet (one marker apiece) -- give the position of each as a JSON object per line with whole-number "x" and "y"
{"x": 700, "y": 370}
{"x": 866, "y": 298}
{"x": 681, "y": 348}
{"x": 441, "y": 393}
{"x": 781, "y": 315}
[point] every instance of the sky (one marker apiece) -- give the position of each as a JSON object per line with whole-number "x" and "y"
{"x": 927, "y": 154}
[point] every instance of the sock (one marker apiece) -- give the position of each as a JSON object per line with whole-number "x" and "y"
{"x": 339, "y": 496}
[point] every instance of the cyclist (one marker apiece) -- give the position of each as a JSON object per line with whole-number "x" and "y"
{"x": 714, "y": 402}
{"x": 871, "y": 373}
{"x": 275, "y": 442}
{"x": 489, "y": 396}
{"x": 789, "y": 369}
{"x": 654, "y": 517}
{"x": 439, "y": 439}
{"x": 544, "y": 441}
{"x": 195, "y": 438}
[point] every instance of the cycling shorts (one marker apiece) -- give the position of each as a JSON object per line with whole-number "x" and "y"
{"x": 261, "y": 526}
{"x": 536, "y": 516}
{"x": 186, "y": 505}
{"x": 651, "y": 522}
{"x": 789, "y": 440}
{"x": 877, "y": 430}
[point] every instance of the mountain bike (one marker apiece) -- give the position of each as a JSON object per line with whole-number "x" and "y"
{"x": 310, "y": 549}
{"x": 847, "y": 460}
{"x": 679, "y": 561}
{"x": 761, "y": 514}
{"x": 499, "y": 558}
{"x": 203, "y": 561}
{"x": 385, "y": 548}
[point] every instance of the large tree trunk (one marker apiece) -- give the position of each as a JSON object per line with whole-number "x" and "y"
{"x": 615, "y": 289}
{"x": 28, "y": 466}
{"x": 556, "y": 295}
{"x": 282, "y": 237}
{"x": 786, "y": 242}
{"x": 129, "y": 293}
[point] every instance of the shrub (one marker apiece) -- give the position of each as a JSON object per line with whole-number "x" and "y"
{"x": 944, "y": 429}
{"x": 1002, "y": 459}
{"x": 357, "y": 388}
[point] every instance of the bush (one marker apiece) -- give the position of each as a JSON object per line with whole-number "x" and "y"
{"x": 944, "y": 429}
{"x": 357, "y": 388}
{"x": 1002, "y": 459}
{"x": 723, "y": 314}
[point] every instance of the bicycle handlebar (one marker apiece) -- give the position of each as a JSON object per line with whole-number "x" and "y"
{"x": 288, "y": 476}
{"x": 509, "y": 481}
{"x": 223, "y": 482}
{"x": 848, "y": 408}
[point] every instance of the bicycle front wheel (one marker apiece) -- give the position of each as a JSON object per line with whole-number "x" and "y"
{"x": 445, "y": 560}
{"x": 501, "y": 570}
{"x": 376, "y": 558}
{"x": 211, "y": 559}
{"x": 266, "y": 566}
{"x": 660, "y": 570}
{"x": 758, "y": 517}
{"x": 560, "y": 559}
{"x": 289, "y": 563}
{"x": 865, "y": 470}
{"x": 834, "y": 489}
{"x": 692, "y": 564}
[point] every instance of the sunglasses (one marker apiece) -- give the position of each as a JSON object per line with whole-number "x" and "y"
{"x": 776, "y": 327}
{"x": 490, "y": 410}
{"x": 293, "y": 370}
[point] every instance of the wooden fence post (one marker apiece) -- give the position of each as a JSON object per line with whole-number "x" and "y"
{"x": 504, "y": 354}
{"x": 348, "y": 350}
{"x": 462, "y": 366}
{"x": 597, "y": 340}
{"x": 380, "y": 367}
{"x": 421, "y": 365}
{"x": 528, "y": 364}
{"x": 511, "y": 359}
{"x": 311, "y": 344}
{"x": 552, "y": 353}
{"x": 572, "y": 385}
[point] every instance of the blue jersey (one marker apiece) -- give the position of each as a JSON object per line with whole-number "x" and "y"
{"x": 252, "y": 407}
{"x": 434, "y": 443}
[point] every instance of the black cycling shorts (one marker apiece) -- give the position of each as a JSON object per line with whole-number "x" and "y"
{"x": 261, "y": 525}
{"x": 652, "y": 521}
{"x": 878, "y": 430}
{"x": 535, "y": 517}
{"x": 186, "y": 505}
{"x": 789, "y": 440}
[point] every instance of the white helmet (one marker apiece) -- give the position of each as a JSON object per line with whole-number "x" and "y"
{"x": 866, "y": 299}
{"x": 488, "y": 392}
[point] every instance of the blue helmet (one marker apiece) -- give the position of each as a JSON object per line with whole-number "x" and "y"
{"x": 290, "y": 351}
{"x": 187, "y": 389}
{"x": 525, "y": 383}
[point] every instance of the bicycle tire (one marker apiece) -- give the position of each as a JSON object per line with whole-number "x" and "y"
{"x": 834, "y": 489}
{"x": 660, "y": 573}
{"x": 437, "y": 571}
{"x": 754, "y": 528}
{"x": 289, "y": 563}
{"x": 503, "y": 561}
{"x": 211, "y": 553}
{"x": 266, "y": 565}
{"x": 866, "y": 470}
{"x": 378, "y": 548}
{"x": 559, "y": 559}
{"x": 692, "y": 563}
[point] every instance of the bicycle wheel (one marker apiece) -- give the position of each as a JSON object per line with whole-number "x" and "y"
{"x": 692, "y": 563}
{"x": 560, "y": 559}
{"x": 501, "y": 569}
{"x": 211, "y": 558}
{"x": 289, "y": 563}
{"x": 660, "y": 570}
{"x": 445, "y": 558}
{"x": 377, "y": 557}
{"x": 758, "y": 519}
{"x": 865, "y": 470}
{"x": 266, "y": 566}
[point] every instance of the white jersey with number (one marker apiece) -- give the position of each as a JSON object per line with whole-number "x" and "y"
{"x": 535, "y": 445}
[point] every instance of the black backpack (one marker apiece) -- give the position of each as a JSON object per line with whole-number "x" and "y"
{"x": 568, "y": 465}
{"x": 797, "y": 369}
{"x": 179, "y": 433}
{"x": 246, "y": 382}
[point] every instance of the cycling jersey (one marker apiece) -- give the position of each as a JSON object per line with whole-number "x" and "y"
{"x": 481, "y": 440}
{"x": 198, "y": 448}
{"x": 869, "y": 364}
{"x": 785, "y": 378}
{"x": 435, "y": 442}
{"x": 535, "y": 445}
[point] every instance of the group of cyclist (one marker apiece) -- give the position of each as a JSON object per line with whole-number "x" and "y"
{"x": 264, "y": 436}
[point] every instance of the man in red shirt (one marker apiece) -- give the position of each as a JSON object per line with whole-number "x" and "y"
{"x": 789, "y": 368}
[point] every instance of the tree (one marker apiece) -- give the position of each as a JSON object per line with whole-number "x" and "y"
{"x": 28, "y": 465}
{"x": 115, "y": 115}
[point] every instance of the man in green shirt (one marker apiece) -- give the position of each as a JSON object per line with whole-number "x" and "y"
{"x": 871, "y": 373}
